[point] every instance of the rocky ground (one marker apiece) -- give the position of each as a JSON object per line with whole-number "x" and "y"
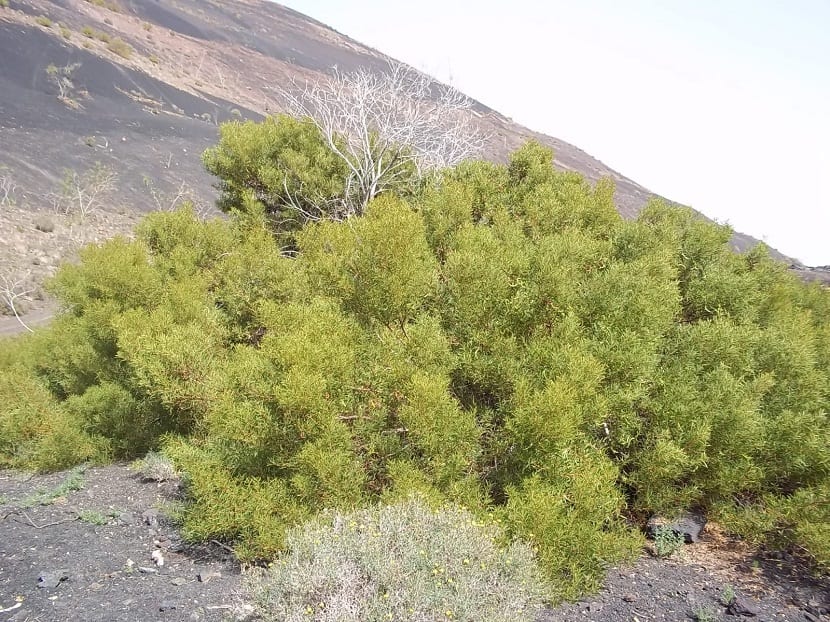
{"x": 97, "y": 545}
{"x": 35, "y": 241}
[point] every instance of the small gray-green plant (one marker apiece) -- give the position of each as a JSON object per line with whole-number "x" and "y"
{"x": 399, "y": 562}
{"x": 93, "y": 517}
{"x": 667, "y": 541}
{"x": 43, "y": 21}
{"x": 73, "y": 481}
{"x": 62, "y": 78}
{"x": 727, "y": 595}
{"x": 155, "y": 467}
{"x": 704, "y": 614}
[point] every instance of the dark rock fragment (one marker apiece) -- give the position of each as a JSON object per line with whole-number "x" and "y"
{"x": 151, "y": 517}
{"x": 740, "y": 606}
{"x": 51, "y": 578}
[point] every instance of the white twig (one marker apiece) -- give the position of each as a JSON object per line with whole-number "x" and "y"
{"x": 7, "y": 189}
{"x": 85, "y": 193}
{"x": 168, "y": 202}
{"x": 10, "y": 291}
{"x": 12, "y": 608}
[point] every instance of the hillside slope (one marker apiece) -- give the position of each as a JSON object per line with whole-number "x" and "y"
{"x": 149, "y": 108}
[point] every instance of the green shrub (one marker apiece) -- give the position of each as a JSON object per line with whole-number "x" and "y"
{"x": 120, "y": 47}
{"x": 42, "y": 20}
{"x": 398, "y": 562}
{"x": 93, "y": 517}
{"x": 111, "y": 6}
{"x": 281, "y": 165}
{"x": 36, "y": 432}
{"x": 502, "y": 340}
{"x": 667, "y": 541}
{"x": 110, "y": 411}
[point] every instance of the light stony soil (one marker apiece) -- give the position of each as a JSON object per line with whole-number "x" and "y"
{"x": 34, "y": 242}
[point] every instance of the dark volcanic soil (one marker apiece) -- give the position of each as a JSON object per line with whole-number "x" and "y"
{"x": 104, "y": 572}
{"x": 57, "y": 564}
{"x": 686, "y": 588}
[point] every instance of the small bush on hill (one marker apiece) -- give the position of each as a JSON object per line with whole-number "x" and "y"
{"x": 120, "y": 47}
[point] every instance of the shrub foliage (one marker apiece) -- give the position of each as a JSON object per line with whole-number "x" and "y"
{"x": 503, "y": 340}
{"x": 402, "y": 561}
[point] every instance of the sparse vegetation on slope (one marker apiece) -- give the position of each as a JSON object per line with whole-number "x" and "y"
{"x": 498, "y": 339}
{"x": 120, "y": 47}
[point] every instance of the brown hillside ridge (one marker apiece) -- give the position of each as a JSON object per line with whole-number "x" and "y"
{"x": 140, "y": 87}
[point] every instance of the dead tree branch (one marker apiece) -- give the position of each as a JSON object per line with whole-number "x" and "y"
{"x": 83, "y": 193}
{"x": 7, "y": 189}
{"x": 12, "y": 290}
{"x": 389, "y": 128}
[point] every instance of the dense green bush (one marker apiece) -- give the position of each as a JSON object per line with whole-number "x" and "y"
{"x": 36, "y": 432}
{"x": 503, "y": 341}
{"x": 284, "y": 163}
{"x": 403, "y": 561}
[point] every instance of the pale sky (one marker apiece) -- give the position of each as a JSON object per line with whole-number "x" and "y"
{"x": 723, "y": 105}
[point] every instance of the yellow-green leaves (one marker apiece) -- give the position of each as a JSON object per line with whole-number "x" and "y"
{"x": 379, "y": 265}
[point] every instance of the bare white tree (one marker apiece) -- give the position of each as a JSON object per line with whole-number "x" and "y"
{"x": 7, "y": 189}
{"x": 170, "y": 201}
{"x": 387, "y": 126}
{"x": 83, "y": 193}
{"x": 62, "y": 78}
{"x": 12, "y": 290}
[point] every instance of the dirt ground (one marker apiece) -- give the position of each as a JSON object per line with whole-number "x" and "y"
{"x": 94, "y": 547}
{"x": 80, "y": 545}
